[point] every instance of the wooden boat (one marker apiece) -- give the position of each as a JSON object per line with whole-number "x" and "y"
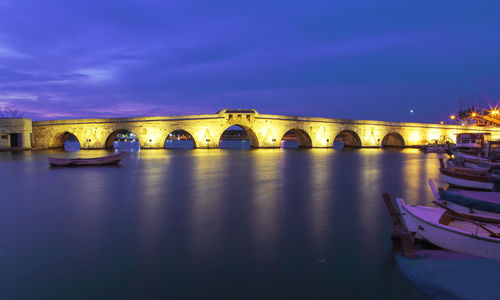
{"x": 469, "y": 178}
{"x": 452, "y": 231}
{"x": 484, "y": 204}
{"x": 481, "y": 164}
{"x": 105, "y": 160}
{"x": 435, "y": 148}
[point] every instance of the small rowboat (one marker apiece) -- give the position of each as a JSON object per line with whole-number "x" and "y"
{"x": 105, "y": 160}
{"x": 452, "y": 231}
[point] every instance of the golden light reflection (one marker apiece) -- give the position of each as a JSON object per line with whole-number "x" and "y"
{"x": 206, "y": 207}
{"x": 370, "y": 171}
{"x": 150, "y": 180}
{"x": 412, "y": 176}
{"x": 320, "y": 200}
{"x": 417, "y": 170}
{"x": 265, "y": 215}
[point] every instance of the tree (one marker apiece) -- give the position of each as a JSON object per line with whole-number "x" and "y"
{"x": 9, "y": 113}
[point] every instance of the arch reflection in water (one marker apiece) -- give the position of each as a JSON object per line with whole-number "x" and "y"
{"x": 393, "y": 140}
{"x": 179, "y": 139}
{"x": 71, "y": 142}
{"x": 347, "y": 139}
{"x": 296, "y": 138}
{"x": 238, "y": 137}
{"x": 123, "y": 140}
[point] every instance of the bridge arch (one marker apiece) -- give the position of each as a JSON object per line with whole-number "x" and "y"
{"x": 178, "y": 134}
{"x": 348, "y": 138}
{"x": 250, "y": 134}
{"x": 393, "y": 139}
{"x": 303, "y": 138}
{"x": 112, "y": 136}
{"x": 57, "y": 141}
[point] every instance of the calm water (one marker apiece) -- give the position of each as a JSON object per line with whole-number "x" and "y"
{"x": 176, "y": 224}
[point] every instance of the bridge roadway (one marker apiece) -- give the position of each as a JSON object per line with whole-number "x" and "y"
{"x": 264, "y": 131}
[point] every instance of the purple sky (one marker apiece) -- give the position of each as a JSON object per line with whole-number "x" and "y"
{"x": 342, "y": 59}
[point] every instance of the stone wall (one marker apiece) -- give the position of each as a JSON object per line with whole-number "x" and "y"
{"x": 263, "y": 130}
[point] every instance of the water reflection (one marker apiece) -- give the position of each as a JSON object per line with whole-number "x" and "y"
{"x": 370, "y": 194}
{"x": 265, "y": 214}
{"x": 234, "y": 144}
{"x": 320, "y": 200}
{"x": 249, "y": 223}
{"x": 206, "y": 209}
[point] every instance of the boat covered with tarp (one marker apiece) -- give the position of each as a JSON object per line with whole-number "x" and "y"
{"x": 486, "y": 201}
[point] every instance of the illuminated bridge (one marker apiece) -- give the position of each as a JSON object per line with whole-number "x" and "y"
{"x": 263, "y": 131}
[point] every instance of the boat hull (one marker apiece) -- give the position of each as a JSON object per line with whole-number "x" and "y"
{"x": 467, "y": 180}
{"x": 467, "y": 242}
{"x": 106, "y": 160}
{"x": 471, "y": 211}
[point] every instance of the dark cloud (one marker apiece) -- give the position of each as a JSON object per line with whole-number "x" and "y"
{"x": 364, "y": 59}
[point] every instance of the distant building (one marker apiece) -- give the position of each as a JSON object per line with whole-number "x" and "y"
{"x": 15, "y": 133}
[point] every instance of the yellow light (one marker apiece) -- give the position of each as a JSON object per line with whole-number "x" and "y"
{"x": 474, "y": 114}
{"x": 452, "y": 117}
{"x": 442, "y": 122}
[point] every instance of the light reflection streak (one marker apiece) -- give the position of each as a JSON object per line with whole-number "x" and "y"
{"x": 89, "y": 209}
{"x": 152, "y": 183}
{"x": 265, "y": 214}
{"x": 204, "y": 224}
{"x": 320, "y": 200}
{"x": 412, "y": 174}
{"x": 370, "y": 195}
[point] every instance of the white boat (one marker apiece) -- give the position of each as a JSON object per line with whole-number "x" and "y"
{"x": 472, "y": 203}
{"x": 105, "y": 160}
{"x": 468, "y": 178}
{"x": 446, "y": 230}
{"x": 472, "y": 142}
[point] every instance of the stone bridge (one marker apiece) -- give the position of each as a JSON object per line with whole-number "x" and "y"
{"x": 264, "y": 131}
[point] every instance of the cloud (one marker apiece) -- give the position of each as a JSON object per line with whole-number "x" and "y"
{"x": 9, "y": 53}
{"x": 97, "y": 75}
{"x": 96, "y": 58}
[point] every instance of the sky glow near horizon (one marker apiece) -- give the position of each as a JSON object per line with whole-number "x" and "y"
{"x": 339, "y": 59}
